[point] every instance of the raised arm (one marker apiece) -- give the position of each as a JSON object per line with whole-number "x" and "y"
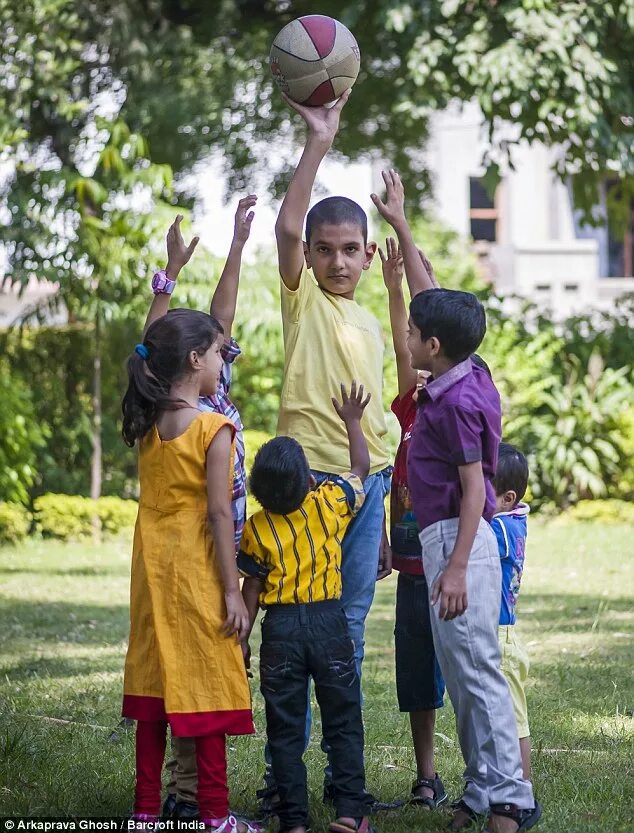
{"x": 178, "y": 254}
{"x": 419, "y": 278}
{"x": 392, "y": 265}
{"x": 350, "y": 411}
{"x": 323, "y": 124}
{"x": 225, "y": 297}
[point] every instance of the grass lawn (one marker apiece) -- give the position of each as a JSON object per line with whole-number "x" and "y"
{"x": 64, "y": 619}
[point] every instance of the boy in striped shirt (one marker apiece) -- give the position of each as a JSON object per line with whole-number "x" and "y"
{"x": 291, "y": 556}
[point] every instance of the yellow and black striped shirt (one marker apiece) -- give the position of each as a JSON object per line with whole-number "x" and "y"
{"x": 298, "y": 556}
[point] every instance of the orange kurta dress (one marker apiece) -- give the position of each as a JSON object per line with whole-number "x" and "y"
{"x": 180, "y": 667}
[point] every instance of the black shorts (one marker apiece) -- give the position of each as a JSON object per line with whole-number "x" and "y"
{"x": 419, "y": 682}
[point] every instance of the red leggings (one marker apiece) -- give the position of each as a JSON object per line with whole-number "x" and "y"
{"x": 211, "y": 760}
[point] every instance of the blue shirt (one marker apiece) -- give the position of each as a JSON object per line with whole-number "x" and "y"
{"x": 510, "y": 530}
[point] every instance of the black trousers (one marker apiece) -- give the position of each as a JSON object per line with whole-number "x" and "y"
{"x": 300, "y": 642}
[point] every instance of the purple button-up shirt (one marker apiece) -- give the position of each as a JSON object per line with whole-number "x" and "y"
{"x": 458, "y": 421}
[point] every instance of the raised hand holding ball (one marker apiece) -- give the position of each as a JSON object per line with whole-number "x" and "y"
{"x": 314, "y": 60}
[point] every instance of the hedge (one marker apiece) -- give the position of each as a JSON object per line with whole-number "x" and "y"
{"x": 600, "y": 511}
{"x": 15, "y": 522}
{"x": 70, "y": 517}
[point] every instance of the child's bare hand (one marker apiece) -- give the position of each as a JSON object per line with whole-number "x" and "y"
{"x": 385, "y": 559}
{"x": 391, "y": 264}
{"x": 178, "y": 254}
{"x": 393, "y": 209}
{"x": 237, "y": 620}
{"x": 244, "y": 218}
{"x": 352, "y": 407}
{"x": 450, "y": 589}
{"x": 322, "y": 122}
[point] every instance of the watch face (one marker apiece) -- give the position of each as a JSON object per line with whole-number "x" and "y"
{"x": 159, "y": 281}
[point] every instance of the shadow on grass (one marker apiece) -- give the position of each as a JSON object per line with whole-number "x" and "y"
{"x": 572, "y": 613}
{"x": 63, "y": 622}
{"x": 61, "y": 667}
{"x": 71, "y": 571}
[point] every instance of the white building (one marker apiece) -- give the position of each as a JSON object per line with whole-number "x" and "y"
{"x": 529, "y": 235}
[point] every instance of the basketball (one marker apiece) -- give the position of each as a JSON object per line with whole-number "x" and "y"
{"x": 314, "y": 60}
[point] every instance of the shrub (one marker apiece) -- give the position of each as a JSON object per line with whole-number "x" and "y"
{"x": 580, "y": 440}
{"x": 21, "y": 437}
{"x": 601, "y": 511}
{"x": 252, "y": 442}
{"x": 66, "y": 517}
{"x": 116, "y": 514}
{"x": 70, "y": 517}
{"x": 15, "y": 522}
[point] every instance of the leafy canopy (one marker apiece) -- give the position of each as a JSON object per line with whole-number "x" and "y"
{"x": 192, "y": 76}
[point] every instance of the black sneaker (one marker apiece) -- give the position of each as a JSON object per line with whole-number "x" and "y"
{"x": 169, "y": 806}
{"x": 374, "y": 804}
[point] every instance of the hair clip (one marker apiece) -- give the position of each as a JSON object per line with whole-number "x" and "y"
{"x": 142, "y": 351}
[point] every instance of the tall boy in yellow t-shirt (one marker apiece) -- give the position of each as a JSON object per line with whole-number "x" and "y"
{"x": 329, "y": 338}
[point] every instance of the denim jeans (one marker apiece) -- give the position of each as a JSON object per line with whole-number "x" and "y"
{"x": 359, "y": 566}
{"x": 300, "y": 642}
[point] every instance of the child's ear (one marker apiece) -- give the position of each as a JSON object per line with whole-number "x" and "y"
{"x": 307, "y": 256}
{"x": 510, "y": 498}
{"x": 370, "y": 251}
{"x": 434, "y": 346}
{"x": 194, "y": 360}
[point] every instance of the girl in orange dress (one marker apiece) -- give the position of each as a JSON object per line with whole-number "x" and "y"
{"x": 184, "y": 663}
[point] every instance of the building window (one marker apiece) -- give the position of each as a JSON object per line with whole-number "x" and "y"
{"x": 483, "y": 211}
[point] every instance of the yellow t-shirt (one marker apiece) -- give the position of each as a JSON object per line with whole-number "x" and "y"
{"x": 298, "y": 556}
{"x": 328, "y": 340}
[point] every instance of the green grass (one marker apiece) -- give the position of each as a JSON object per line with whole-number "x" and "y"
{"x": 64, "y": 619}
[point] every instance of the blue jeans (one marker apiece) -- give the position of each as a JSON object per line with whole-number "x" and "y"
{"x": 359, "y": 567}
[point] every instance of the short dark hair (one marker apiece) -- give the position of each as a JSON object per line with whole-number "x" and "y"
{"x": 511, "y": 472}
{"x": 479, "y": 362}
{"x": 280, "y": 476}
{"x": 455, "y": 318}
{"x": 336, "y": 211}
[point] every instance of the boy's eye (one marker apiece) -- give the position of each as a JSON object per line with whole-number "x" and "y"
{"x": 352, "y": 248}
{"x": 322, "y": 250}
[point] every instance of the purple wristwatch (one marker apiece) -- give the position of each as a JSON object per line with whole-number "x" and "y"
{"x": 161, "y": 284}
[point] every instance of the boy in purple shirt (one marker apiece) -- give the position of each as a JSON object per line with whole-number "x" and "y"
{"x": 451, "y": 466}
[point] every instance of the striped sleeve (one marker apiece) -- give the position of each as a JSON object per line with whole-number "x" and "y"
{"x": 344, "y": 493}
{"x": 251, "y": 558}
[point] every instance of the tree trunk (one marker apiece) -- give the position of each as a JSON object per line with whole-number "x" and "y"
{"x": 96, "y": 465}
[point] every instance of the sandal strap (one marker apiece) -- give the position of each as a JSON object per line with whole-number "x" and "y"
{"x": 509, "y": 811}
{"x": 461, "y": 805}
{"x": 430, "y": 783}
